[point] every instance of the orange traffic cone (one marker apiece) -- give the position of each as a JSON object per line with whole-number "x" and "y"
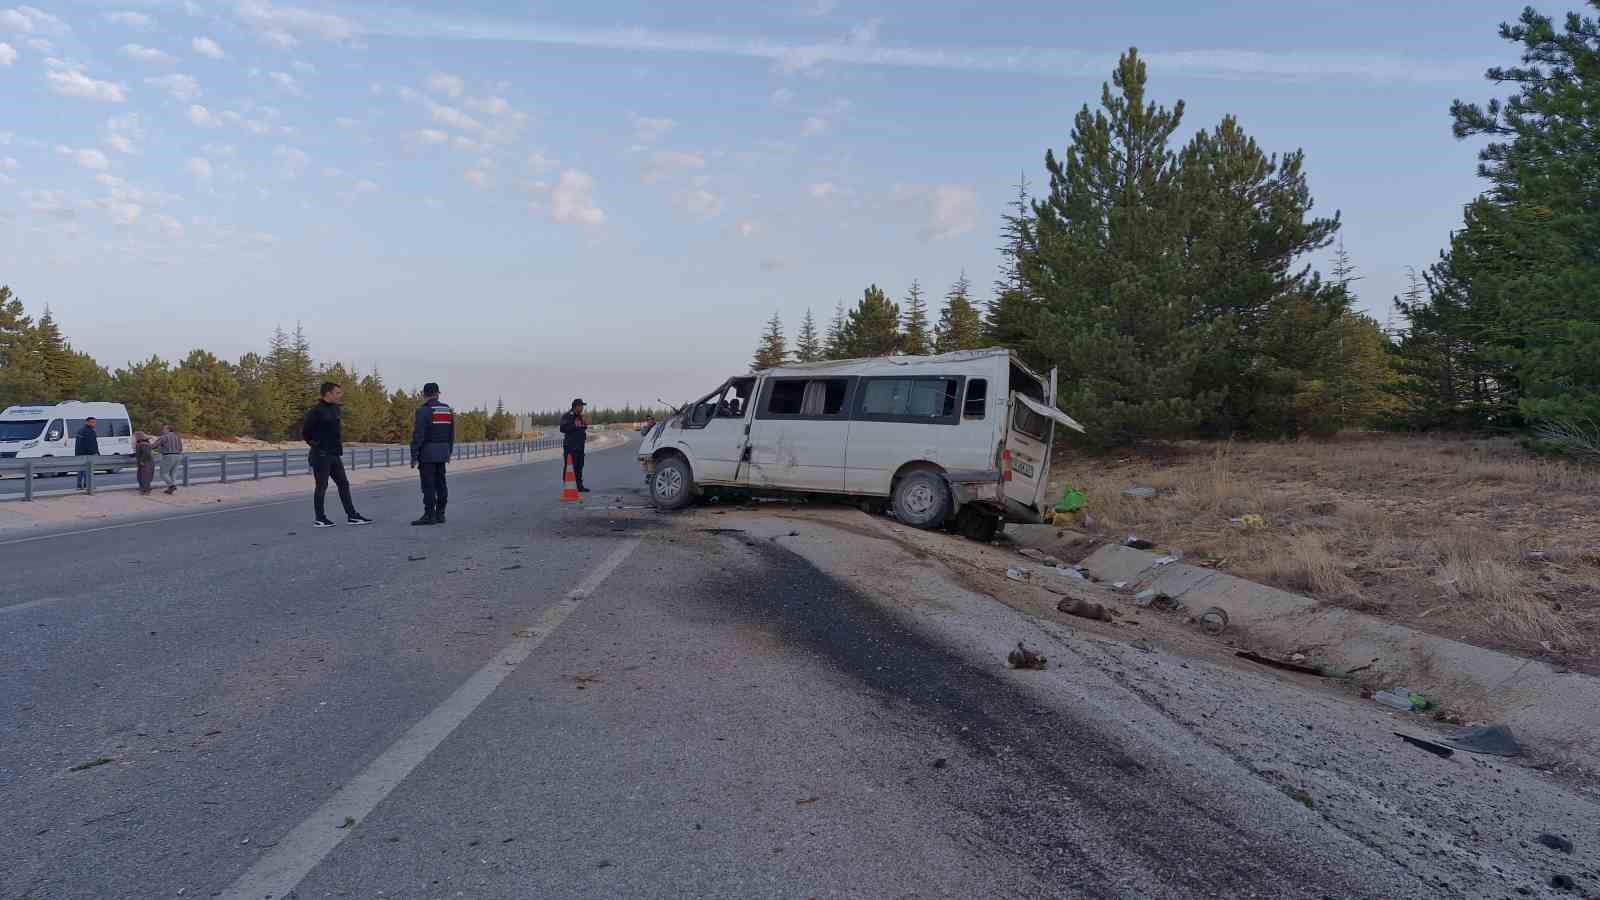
{"x": 569, "y": 481}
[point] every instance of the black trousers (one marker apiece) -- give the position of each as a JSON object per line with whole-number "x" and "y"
{"x": 435, "y": 493}
{"x": 577, "y": 463}
{"x": 323, "y": 467}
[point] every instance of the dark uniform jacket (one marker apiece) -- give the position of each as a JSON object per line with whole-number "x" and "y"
{"x": 321, "y": 429}
{"x": 86, "y": 442}
{"x": 433, "y": 432}
{"x": 576, "y": 429}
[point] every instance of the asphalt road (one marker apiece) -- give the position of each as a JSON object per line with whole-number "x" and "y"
{"x": 540, "y": 701}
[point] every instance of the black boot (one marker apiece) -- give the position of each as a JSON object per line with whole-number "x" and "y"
{"x": 438, "y": 516}
{"x": 429, "y": 517}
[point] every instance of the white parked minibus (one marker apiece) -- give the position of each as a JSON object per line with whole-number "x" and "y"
{"x": 37, "y": 432}
{"x": 961, "y": 437}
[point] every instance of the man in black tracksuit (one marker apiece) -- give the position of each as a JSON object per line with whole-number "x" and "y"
{"x": 322, "y": 433}
{"x": 433, "y": 436}
{"x": 576, "y": 429}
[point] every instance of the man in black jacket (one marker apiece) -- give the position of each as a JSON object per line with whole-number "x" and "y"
{"x": 86, "y": 443}
{"x": 321, "y": 432}
{"x": 433, "y": 436}
{"x": 576, "y": 429}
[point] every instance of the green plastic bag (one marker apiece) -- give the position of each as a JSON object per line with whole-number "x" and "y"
{"x": 1072, "y": 500}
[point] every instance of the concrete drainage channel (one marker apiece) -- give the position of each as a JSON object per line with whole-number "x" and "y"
{"x": 1557, "y": 714}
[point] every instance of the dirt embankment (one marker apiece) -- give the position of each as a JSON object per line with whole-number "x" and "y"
{"x": 1477, "y": 540}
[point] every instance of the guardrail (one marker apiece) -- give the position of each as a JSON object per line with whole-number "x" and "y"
{"x": 204, "y": 468}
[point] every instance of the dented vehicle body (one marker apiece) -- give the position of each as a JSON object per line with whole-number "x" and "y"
{"x": 960, "y": 436}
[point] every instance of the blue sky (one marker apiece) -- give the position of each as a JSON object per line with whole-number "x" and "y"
{"x": 541, "y": 200}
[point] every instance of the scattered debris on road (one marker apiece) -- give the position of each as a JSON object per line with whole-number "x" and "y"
{"x": 1492, "y": 740}
{"x": 348, "y": 821}
{"x": 1555, "y": 842}
{"x": 1138, "y": 543}
{"x": 1025, "y": 657}
{"x": 415, "y": 558}
{"x": 1040, "y": 557}
{"x": 1213, "y": 620}
{"x": 1084, "y": 609}
{"x": 1563, "y": 883}
{"x": 97, "y": 761}
{"x": 1286, "y": 665}
{"x": 1436, "y": 749}
{"x": 940, "y": 763}
{"x": 1403, "y": 699}
{"x": 1140, "y": 493}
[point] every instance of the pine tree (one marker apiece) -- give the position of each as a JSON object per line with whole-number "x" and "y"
{"x": 152, "y": 394}
{"x": 873, "y": 327}
{"x": 210, "y": 387}
{"x": 22, "y": 379}
{"x": 773, "y": 349}
{"x": 916, "y": 331}
{"x": 960, "y": 326}
{"x": 1013, "y": 316}
{"x": 1343, "y": 272}
{"x": 808, "y": 345}
{"x": 835, "y": 348}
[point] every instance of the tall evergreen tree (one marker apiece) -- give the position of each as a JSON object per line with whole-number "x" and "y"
{"x": 1107, "y": 269}
{"x": 873, "y": 327}
{"x": 213, "y": 388}
{"x": 808, "y": 344}
{"x": 960, "y": 326}
{"x": 773, "y": 350}
{"x": 151, "y": 391}
{"x": 1013, "y": 315}
{"x": 916, "y": 337}
{"x": 835, "y": 348}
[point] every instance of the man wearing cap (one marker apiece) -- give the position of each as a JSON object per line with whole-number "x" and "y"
{"x": 576, "y": 429}
{"x": 433, "y": 437}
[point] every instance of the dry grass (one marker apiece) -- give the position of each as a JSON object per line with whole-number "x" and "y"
{"x": 1472, "y": 538}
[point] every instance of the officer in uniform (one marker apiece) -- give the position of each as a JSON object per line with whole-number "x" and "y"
{"x": 433, "y": 436}
{"x": 576, "y": 430}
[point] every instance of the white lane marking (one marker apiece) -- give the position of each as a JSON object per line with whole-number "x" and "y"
{"x": 284, "y": 866}
{"x": 19, "y": 607}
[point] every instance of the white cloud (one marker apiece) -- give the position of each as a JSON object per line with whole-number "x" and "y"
{"x": 286, "y": 81}
{"x": 199, "y": 167}
{"x": 432, "y": 136}
{"x": 86, "y": 157}
{"x": 294, "y": 160}
{"x": 782, "y": 97}
{"x": 541, "y": 163}
{"x": 814, "y": 125}
{"x": 148, "y": 55}
{"x": 450, "y": 85}
{"x": 54, "y": 204}
{"x": 208, "y": 48}
{"x": 130, "y": 19}
{"x": 365, "y": 186}
{"x": 331, "y": 172}
{"x": 41, "y": 45}
{"x": 282, "y": 40}
{"x": 347, "y": 123}
{"x": 822, "y": 190}
{"x": 664, "y": 163}
{"x": 649, "y": 130}
{"x": 572, "y": 200}
{"x": 478, "y": 178}
{"x": 749, "y": 228}
{"x": 453, "y": 117}
{"x": 303, "y": 67}
{"x": 700, "y": 203}
{"x": 821, "y": 7}
{"x": 947, "y": 210}
{"x": 202, "y": 117}
{"x": 278, "y": 25}
{"x": 181, "y": 87}
{"x": 70, "y": 82}
{"x": 408, "y": 95}
{"x": 496, "y": 107}
{"x": 30, "y": 20}
{"x": 8, "y": 54}
{"x": 122, "y": 133}
{"x": 466, "y": 144}
{"x": 866, "y": 32}
{"x": 1286, "y": 64}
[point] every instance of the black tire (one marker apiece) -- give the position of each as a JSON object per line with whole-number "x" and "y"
{"x": 922, "y": 500}
{"x": 672, "y": 485}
